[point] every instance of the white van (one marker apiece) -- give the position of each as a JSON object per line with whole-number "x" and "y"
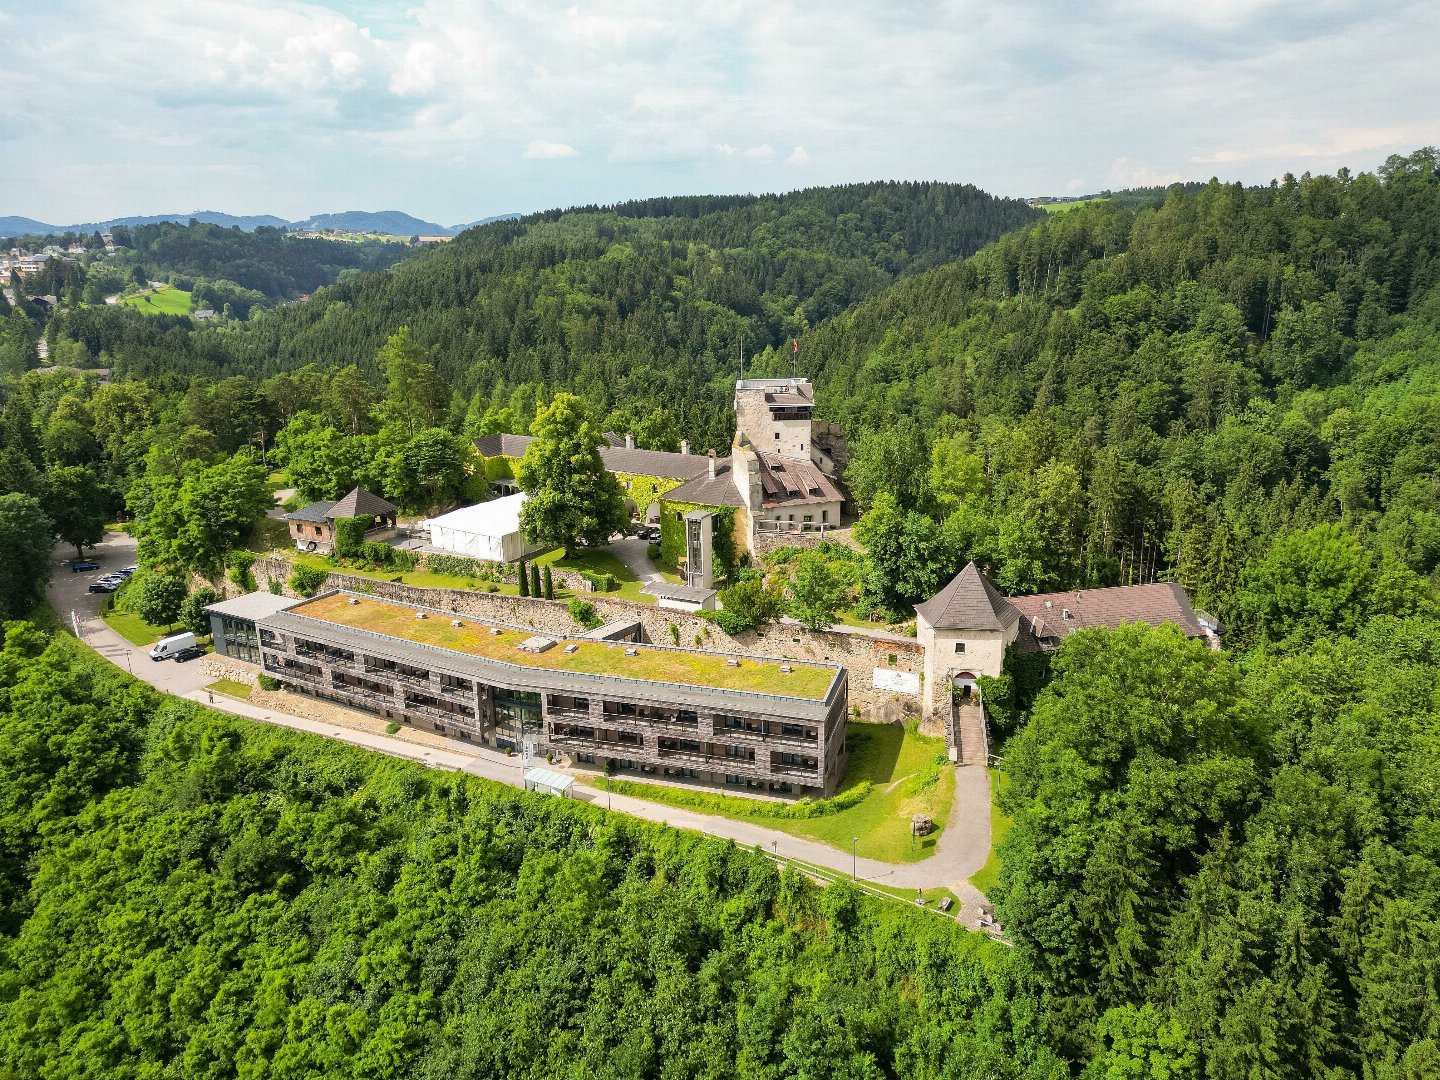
{"x": 168, "y": 647}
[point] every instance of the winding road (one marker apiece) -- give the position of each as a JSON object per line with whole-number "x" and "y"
{"x": 962, "y": 849}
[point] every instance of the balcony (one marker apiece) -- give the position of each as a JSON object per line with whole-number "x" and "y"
{"x": 811, "y": 771}
{"x": 751, "y": 736}
{"x": 568, "y": 716}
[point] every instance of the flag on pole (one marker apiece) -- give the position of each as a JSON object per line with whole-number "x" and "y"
{"x": 795, "y": 345}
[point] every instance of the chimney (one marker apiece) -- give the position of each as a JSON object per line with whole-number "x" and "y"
{"x": 629, "y": 442}
{"x": 712, "y": 464}
{"x": 684, "y": 446}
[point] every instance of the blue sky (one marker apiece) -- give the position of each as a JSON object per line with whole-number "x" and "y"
{"x": 455, "y": 110}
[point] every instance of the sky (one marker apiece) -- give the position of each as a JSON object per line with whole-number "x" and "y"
{"x": 454, "y": 110}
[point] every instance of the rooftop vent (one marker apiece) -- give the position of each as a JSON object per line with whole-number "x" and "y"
{"x": 494, "y": 631}
{"x": 354, "y": 600}
{"x": 786, "y": 668}
{"x": 572, "y": 647}
{"x": 537, "y": 644}
{"x": 1065, "y": 613}
{"x": 1049, "y": 604}
{"x": 632, "y": 652}
{"x": 456, "y": 622}
{"x": 732, "y": 662}
{"x": 420, "y": 614}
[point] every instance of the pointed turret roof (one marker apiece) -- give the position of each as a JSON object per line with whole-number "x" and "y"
{"x": 969, "y": 602}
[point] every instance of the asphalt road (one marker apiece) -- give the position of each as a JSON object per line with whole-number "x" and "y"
{"x": 961, "y": 851}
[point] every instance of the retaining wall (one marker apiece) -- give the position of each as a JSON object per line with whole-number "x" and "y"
{"x": 860, "y": 653}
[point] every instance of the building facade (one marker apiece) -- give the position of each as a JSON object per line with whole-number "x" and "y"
{"x": 746, "y": 724}
{"x": 312, "y": 527}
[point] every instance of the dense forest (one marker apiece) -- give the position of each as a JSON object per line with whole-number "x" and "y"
{"x": 646, "y": 301}
{"x": 1222, "y": 865}
{"x": 187, "y": 894}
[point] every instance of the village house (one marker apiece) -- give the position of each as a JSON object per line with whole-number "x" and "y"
{"x": 313, "y": 527}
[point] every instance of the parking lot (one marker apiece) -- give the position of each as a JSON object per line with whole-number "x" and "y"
{"x": 70, "y": 597}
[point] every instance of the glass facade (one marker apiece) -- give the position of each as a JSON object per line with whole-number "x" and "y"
{"x": 241, "y": 641}
{"x": 517, "y": 717}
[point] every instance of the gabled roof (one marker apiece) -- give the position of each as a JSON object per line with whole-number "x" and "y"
{"x": 317, "y": 512}
{"x": 1053, "y": 616}
{"x": 784, "y": 482}
{"x": 969, "y": 602}
{"x": 705, "y": 491}
{"x": 617, "y": 458}
{"x": 362, "y": 503}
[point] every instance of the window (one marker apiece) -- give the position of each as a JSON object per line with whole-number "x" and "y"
{"x": 733, "y": 780}
{"x": 824, "y": 515}
{"x": 959, "y": 646}
{"x": 777, "y": 435}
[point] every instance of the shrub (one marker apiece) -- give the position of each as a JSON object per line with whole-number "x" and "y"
{"x": 727, "y": 620}
{"x": 583, "y": 612}
{"x": 392, "y": 727}
{"x": 535, "y": 587}
{"x": 524, "y": 578}
{"x": 276, "y": 586}
{"x": 653, "y": 550}
{"x": 456, "y": 565}
{"x": 306, "y": 580}
{"x": 748, "y": 604}
{"x": 350, "y": 536}
{"x": 549, "y": 584}
{"x": 240, "y": 563}
{"x": 265, "y": 682}
{"x": 716, "y": 803}
{"x": 599, "y": 581}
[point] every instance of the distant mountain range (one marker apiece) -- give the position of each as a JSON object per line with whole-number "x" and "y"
{"x": 391, "y": 222}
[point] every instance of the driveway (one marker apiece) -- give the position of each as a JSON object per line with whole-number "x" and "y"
{"x": 635, "y": 554}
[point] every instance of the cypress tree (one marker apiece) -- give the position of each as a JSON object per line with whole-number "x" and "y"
{"x": 549, "y": 584}
{"x": 524, "y": 579}
{"x": 535, "y": 581}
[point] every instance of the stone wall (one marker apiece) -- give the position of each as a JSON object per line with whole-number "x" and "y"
{"x": 860, "y": 653}
{"x": 225, "y": 667}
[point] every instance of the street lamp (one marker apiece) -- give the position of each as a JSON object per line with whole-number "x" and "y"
{"x": 854, "y": 859}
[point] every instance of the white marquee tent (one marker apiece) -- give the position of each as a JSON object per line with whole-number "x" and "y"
{"x": 488, "y": 530}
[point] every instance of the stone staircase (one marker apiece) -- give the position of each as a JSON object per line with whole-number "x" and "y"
{"x": 970, "y": 734}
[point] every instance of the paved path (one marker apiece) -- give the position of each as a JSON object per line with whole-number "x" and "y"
{"x": 635, "y": 554}
{"x": 961, "y": 851}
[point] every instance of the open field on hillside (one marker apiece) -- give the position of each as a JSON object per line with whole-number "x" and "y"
{"x": 165, "y": 300}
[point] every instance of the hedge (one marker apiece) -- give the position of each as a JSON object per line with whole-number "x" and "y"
{"x": 731, "y": 806}
{"x": 350, "y": 535}
{"x": 306, "y": 580}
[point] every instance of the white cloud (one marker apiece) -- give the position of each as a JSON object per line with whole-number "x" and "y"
{"x": 540, "y": 150}
{"x": 290, "y": 106}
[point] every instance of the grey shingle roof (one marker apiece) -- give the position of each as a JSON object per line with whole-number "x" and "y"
{"x": 255, "y": 605}
{"x": 316, "y": 512}
{"x": 705, "y": 491}
{"x": 362, "y": 503}
{"x": 969, "y": 602}
{"x": 617, "y": 459}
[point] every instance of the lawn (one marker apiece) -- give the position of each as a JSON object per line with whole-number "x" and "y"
{"x": 807, "y": 681}
{"x": 1061, "y": 207}
{"x": 163, "y": 301}
{"x": 907, "y": 777}
{"x": 133, "y": 628}
{"x": 599, "y": 562}
{"x": 988, "y": 875}
{"x": 932, "y": 897}
{"x": 231, "y": 688}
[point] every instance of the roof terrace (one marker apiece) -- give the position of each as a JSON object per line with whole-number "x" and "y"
{"x": 648, "y": 663}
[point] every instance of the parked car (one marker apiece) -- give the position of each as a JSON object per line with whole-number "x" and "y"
{"x": 103, "y": 586}
{"x": 194, "y": 652}
{"x": 652, "y": 535}
{"x": 126, "y": 571}
{"x": 79, "y": 566}
{"x": 168, "y": 647}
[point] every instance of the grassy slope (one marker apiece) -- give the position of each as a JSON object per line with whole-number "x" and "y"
{"x": 163, "y": 301}
{"x": 988, "y": 875}
{"x": 231, "y": 688}
{"x": 886, "y": 755}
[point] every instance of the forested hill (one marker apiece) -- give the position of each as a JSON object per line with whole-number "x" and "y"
{"x": 642, "y": 301}
{"x": 1113, "y": 394}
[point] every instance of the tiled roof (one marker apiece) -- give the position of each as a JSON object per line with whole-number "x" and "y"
{"x": 786, "y": 483}
{"x": 316, "y": 512}
{"x": 499, "y": 445}
{"x": 1051, "y": 616}
{"x": 707, "y": 491}
{"x": 362, "y": 503}
{"x": 616, "y": 458}
{"x": 969, "y": 602}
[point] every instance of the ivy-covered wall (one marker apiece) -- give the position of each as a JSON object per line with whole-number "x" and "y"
{"x": 643, "y": 490}
{"x": 500, "y": 467}
{"x": 731, "y": 532}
